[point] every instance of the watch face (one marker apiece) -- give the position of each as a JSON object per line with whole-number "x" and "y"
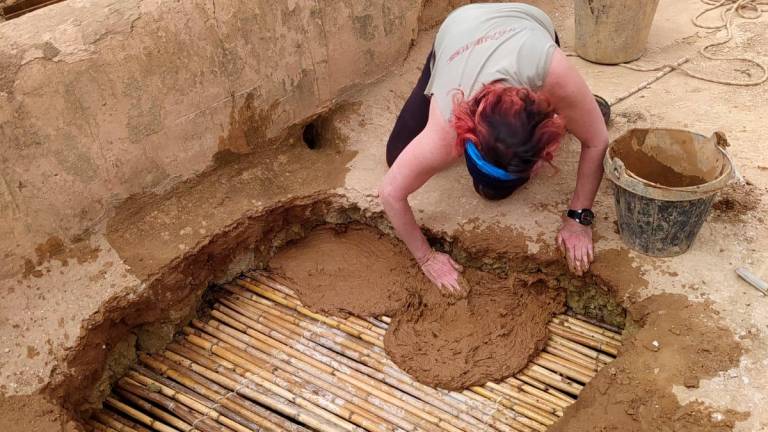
{"x": 587, "y": 217}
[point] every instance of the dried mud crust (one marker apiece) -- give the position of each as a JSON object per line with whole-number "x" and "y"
{"x": 736, "y": 202}
{"x": 676, "y": 343}
{"x": 440, "y": 340}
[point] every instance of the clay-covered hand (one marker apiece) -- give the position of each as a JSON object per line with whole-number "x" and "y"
{"x": 575, "y": 241}
{"x": 443, "y": 271}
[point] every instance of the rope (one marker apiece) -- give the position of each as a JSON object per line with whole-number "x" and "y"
{"x": 747, "y": 9}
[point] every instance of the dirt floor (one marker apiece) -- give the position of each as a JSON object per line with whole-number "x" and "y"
{"x": 695, "y": 359}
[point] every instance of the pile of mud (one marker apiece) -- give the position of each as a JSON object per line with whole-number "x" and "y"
{"x": 440, "y": 340}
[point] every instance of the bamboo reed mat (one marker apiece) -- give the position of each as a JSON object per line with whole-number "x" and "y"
{"x": 263, "y": 362}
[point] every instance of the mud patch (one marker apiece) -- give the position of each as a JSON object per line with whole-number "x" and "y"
{"x": 349, "y": 269}
{"x": 489, "y": 335}
{"x": 79, "y": 250}
{"x": 440, "y": 340}
{"x": 677, "y": 343}
{"x": 736, "y": 202}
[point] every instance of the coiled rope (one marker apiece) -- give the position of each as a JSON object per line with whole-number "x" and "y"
{"x": 747, "y": 9}
{"x": 729, "y": 9}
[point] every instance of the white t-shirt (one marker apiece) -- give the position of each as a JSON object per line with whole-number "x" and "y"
{"x": 485, "y": 42}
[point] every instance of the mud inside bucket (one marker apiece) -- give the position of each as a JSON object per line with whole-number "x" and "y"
{"x": 665, "y": 181}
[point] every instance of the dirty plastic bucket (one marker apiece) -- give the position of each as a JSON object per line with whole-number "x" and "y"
{"x": 665, "y": 181}
{"x": 613, "y": 31}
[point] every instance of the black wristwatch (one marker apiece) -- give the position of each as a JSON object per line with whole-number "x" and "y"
{"x": 583, "y": 216}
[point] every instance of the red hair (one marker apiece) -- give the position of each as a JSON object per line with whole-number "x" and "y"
{"x": 514, "y": 128}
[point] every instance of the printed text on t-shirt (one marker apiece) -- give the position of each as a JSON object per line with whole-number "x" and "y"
{"x": 495, "y": 35}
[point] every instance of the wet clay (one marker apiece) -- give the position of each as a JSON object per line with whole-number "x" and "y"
{"x": 440, "y": 340}
{"x": 651, "y": 169}
{"x": 355, "y": 270}
{"x": 489, "y": 335}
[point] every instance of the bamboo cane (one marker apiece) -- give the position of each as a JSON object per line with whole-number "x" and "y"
{"x": 462, "y": 407}
{"x": 368, "y": 366}
{"x": 515, "y": 421}
{"x": 378, "y": 323}
{"x": 292, "y": 327}
{"x": 300, "y": 410}
{"x": 585, "y": 371}
{"x": 118, "y": 422}
{"x": 148, "y": 408}
{"x": 220, "y": 368}
{"x": 361, "y": 394}
{"x": 357, "y": 379}
{"x": 286, "y": 394}
{"x": 589, "y": 326}
{"x": 539, "y": 390}
{"x": 387, "y": 320}
{"x": 561, "y": 370}
{"x": 491, "y": 413}
{"x": 284, "y": 300}
{"x": 327, "y": 358}
{"x": 320, "y": 396}
{"x": 575, "y": 337}
{"x": 525, "y": 402}
{"x": 259, "y": 307}
{"x": 273, "y": 309}
{"x": 594, "y": 322}
{"x": 529, "y": 399}
{"x": 574, "y": 357}
{"x": 181, "y": 411}
{"x": 314, "y": 394}
{"x": 270, "y": 281}
{"x": 360, "y": 323}
{"x": 96, "y": 426}
{"x": 534, "y": 385}
{"x": 580, "y": 351}
{"x": 208, "y": 408}
{"x": 551, "y": 379}
{"x": 256, "y": 414}
{"x": 570, "y": 326}
{"x": 258, "y": 370}
{"x": 138, "y": 415}
{"x": 598, "y": 338}
{"x": 532, "y": 413}
{"x": 589, "y": 352}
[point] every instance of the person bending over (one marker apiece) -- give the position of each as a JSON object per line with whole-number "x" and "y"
{"x": 497, "y": 90}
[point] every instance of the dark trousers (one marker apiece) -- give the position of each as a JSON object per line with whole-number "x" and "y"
{"x": 412, "y": 118}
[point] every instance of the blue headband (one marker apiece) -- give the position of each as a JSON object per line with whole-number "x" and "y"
{"x": 473, "y": 155}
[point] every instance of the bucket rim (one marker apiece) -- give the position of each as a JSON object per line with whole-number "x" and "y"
{"x": 622, "y": 177}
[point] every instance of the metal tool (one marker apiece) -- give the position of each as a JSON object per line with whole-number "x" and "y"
{"x": 753, "y": 280}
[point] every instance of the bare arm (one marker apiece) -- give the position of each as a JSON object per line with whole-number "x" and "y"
{"x": 574, "y": 102}
{"x": 429, "y": 153}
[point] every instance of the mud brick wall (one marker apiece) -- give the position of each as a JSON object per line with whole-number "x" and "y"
{"x": 103, "y": 99}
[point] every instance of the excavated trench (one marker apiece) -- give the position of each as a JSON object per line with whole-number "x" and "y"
{"x": 311, "y": 315}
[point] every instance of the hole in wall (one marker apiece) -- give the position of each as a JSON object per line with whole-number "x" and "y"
{"x": 309, "y": 135}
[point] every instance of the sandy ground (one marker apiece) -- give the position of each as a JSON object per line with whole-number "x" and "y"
{"x": 47, "y": 314}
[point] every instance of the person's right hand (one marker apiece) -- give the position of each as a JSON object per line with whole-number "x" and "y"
{"x": 443, "y": 271}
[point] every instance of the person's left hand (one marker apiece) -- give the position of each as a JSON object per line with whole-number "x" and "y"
{"x": 575, "y": 241}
